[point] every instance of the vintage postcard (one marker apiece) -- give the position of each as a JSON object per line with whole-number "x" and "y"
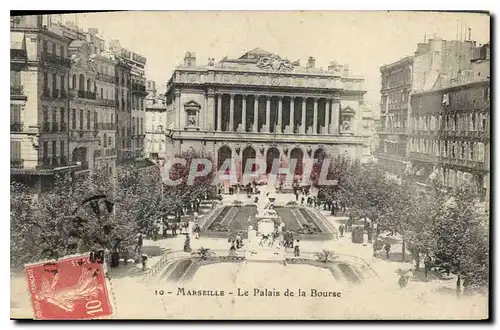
{"x": 271, "y": 165}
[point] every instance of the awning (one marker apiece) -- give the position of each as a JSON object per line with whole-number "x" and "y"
{"x": 17, "y": 40}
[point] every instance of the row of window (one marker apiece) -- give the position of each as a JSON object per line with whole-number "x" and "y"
{"x": 52, "y": 148}
{"x": 396, "y": 78}
{"x": 50, "y": 47}
{"x": 106, "y": 141}
{"x": 472, "y": 121}
{"x": 466, "y": 150}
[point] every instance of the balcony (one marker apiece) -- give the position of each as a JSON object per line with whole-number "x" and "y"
{"x": 106, "y": 102}
{"x": 55, "y": 93}
{"x": 84, "y": 94}
{"x": 46, "y": 127}
{"x": 18, "y": 55}
{"x": 63, "y": 94}
{"x": 82, "y": 136}
{"x": 472, "y": 164}
{"x": 97, "y": 153}
{"x": 139, "y": 89}
{"x": 55, "y": 127}
{"x": 106, "y": 126}
{"x": 424, "y": 157}
{"x": 17, "y": 92}
{"x": 107, "y": 78}
{"x": 64, "y": 127}
{"x": 56, "y": 60}
{"x": 53, "y": 162}
{"x": 110, "y": 152}
{"x": 16, "y": 163}
{"x": 16, "y": 127}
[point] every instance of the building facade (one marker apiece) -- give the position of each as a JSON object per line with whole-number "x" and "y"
{"x": 434, "y": 65}
{"x": 39, "y": 102}
{"x": 450, "y": 131}
{"x": 123, "y": 111}
{"x": 154, "y": 127}
{"x": 261, "y": 106}
{"x": 137, "y": 96}
{"x": 394, "y": 106}
{"x": 106, "y": 152}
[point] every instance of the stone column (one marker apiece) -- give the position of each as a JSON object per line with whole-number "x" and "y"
{"x": 178, "y": 109}
{"x": 210, "y": 116}
{"x": 219, "y": 112}
{"x": 244, "y": 112}
{"x": 268, "y": 113}
{"x": 231, "y": 114}
{"x": 280, "y": 114}
{"x": 256, "y": 113}
{"x": 303, "y": 122}
{"x": 335, "y": 116}
{"x": 327, "y": 116}
{"x": 292, "y": 112}
{"x": 315, "y": 116}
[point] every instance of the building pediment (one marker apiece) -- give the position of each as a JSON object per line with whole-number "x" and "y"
{"x": 348, "y": 110}
{"x": 192, "y": 105}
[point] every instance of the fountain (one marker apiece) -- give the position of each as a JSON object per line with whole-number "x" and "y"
{"x": 266, "y": 240}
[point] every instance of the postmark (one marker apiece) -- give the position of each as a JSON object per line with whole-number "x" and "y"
{"x": 73, "y": 288}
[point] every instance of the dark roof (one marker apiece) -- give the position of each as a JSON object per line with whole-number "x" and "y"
{"x": 255, "y": 53}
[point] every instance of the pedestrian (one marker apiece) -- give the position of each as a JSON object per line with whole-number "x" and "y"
{"x": 187, "y": 244}
{"x": 196, "y": 231}
{"x": 302, "y": 200}
{"x": 238, "y": 241}
{"x": 139, "y": 244}
{"x": 427, "y": 265}
{"x": 341, "y": 230}
{"x": 232, "y": 249}
{"x": 387, "y": 249}
{"x": 296, "y": 196}
{"x": 144, "y": 261}
{"x": 296, "y": 250}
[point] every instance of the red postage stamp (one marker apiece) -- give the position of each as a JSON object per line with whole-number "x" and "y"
{"x": 69, "y": 289}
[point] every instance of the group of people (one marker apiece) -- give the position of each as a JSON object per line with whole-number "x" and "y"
{"x": 236, "y": 243}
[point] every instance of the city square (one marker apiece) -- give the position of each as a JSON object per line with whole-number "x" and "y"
{"x": 249, "y": 182}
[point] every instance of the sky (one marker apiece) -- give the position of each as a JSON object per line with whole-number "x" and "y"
{"x": 364, "y": 40}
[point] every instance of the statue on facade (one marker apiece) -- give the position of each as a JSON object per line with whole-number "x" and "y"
{"x": 346, "y": 125}
{"x": 191, "y": 120}
{"x": 274, "y": 62}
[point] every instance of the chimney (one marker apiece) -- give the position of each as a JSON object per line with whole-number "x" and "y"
{"x": 190, "y": 60}
{"x": 310, "y": 62}
{"x": 332, "y": 66}
{"x": 346, "y": 69}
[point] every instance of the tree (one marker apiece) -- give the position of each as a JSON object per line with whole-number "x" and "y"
{"x": 76, "y": 216}
{"x": 462, "y": 240}
{"x": 401, "y": 213}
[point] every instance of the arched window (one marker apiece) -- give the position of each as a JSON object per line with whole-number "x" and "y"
{"x": 89, "y": 85}
{"x": 73, "y": 82}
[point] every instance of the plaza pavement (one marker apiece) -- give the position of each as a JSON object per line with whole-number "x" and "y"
{"x": 125, "y": 276}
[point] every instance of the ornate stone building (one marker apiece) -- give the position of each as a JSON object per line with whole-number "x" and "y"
{"x": 136, "y": 97}
{"x": 262, "y": 106}
{"x": 39, "y": 102}
{"x": 83, "y": 133}
{"x": 156, "y": 109}
{"x": 450, "y": 130}
{"x": 394, "y": 105}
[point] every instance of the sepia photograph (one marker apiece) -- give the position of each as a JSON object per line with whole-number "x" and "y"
{"x": 250, "y": 165}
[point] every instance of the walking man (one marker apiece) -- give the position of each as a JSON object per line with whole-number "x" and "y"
{"x": 341, "y": 230}
{"x": 296, "y": 249}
